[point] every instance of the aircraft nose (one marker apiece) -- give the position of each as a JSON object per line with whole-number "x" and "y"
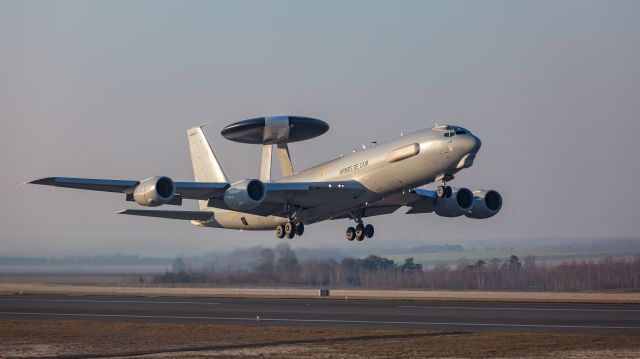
{"x": 476, "y": 143}
{"x": 471, "y": 143}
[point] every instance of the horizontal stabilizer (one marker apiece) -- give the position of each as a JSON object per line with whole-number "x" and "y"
{"x": 183, "y": 215}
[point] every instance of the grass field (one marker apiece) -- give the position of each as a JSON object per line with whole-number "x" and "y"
{"x": 104, "y": 338}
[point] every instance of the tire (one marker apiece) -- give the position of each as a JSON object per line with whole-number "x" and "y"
{"x": 299, "y": 229}
{"x": 280, "y": 231}
{"x": 289, "y": 230}
{"x": 360, "y": 232}
{"x": 368, "y": 231}
{"x": 351, "y": 234}
{"x": 440, "y": 191}
{"x": 448, "y": 192}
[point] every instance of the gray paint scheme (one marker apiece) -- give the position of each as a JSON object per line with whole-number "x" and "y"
{"x": 375, "y": 181}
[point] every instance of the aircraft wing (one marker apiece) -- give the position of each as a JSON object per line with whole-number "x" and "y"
{"x": 300, "y": 195}
{"x": 190, "y": 190}
{"x": 93, "y": 184}
{"x": 279, "y": 194}
{"x": 419, "y": 200}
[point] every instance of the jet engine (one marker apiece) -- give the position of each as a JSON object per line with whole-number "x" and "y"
{"x": 154, "y": 191}
{"x": 487, "y": 204}
{"x": 245, "y": 194}
{"x": 459, "y": 203}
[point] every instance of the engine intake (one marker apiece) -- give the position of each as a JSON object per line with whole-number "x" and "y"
{"x": 245, "y": 194}
{"x": 487, "y": 204}
{"x": 460, "y": 202}
{"x": 154, "y": 191}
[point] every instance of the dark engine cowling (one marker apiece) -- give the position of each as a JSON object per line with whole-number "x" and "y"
{"x": 487, "y": 204}
{"x": 460, "y": 202}
{"x": 154, "y": 191}
{"x": 245, "y": 194}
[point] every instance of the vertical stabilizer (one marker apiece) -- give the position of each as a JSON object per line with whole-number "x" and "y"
{"x": 205, "y": 165}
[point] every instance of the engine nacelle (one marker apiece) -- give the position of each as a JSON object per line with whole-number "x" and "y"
{"x": 154, "y": 191}
{"x": 460, "y": 202}
{"x": 245, "y": 194}
{"x": 487, "y": 204}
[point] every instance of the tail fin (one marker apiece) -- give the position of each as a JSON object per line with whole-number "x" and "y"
{"x": 205, "y": 165}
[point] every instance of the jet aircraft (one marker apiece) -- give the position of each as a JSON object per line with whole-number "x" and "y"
{"x": 375, "y": 181}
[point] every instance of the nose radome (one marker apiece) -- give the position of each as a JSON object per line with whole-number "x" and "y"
{"x": 476, "y": 143}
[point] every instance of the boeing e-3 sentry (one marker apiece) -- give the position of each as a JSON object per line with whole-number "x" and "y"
{"x": 374, "y": 181}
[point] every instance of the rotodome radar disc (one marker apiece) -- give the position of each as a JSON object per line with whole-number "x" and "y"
{"x": 274, "y": 129}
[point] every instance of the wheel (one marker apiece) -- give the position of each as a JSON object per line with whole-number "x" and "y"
{"x": 351, "y": 233}
{"x": 448, "y": 192}
{"x": 368, "y": 231}
{"x": 280, "y": 231}
{"x": 360, "y": 231}
{"x": 299, "y": 229}
{"x": 289, "y": 230}
{"x": 440, "y": 191}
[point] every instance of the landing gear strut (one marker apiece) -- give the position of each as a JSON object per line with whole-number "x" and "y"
{"x": 444, "y": 190}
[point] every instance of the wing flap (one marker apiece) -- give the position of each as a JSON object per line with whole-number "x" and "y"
{"x": 182, "y": 215}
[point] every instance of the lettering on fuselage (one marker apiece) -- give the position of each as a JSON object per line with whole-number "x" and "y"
{"x": 354, "y": 167}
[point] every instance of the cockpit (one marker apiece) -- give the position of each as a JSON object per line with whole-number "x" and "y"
{"x": 450, "y": 131}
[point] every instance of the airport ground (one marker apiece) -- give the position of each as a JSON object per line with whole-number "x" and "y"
{"x": 185, "y": 327}
{"x": 104, "y": 316}
{"x": 94, "y": 339}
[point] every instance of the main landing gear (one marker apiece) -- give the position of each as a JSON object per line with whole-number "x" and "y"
{"x": 290, "y": 230}
{"x": 360, "y": 232}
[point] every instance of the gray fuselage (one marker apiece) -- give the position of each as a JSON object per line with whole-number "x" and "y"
{"x": 401, "y": 164}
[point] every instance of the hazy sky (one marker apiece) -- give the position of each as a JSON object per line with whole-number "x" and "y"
{"x": 107, "y": 89}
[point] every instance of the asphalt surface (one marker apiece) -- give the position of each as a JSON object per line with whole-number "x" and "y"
{"x": 453, "y": 316}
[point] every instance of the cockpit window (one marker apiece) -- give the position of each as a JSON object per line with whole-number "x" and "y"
{"x": 446, "y": 134}
{"x": 460, "y": 132}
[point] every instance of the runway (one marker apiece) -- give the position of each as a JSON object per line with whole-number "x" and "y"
{"x": 451, "y": 316}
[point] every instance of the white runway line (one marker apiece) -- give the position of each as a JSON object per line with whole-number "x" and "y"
{"x": 521, "y": 308}
{"x": 334, "y": 321}
{"x": 101, "y": 301}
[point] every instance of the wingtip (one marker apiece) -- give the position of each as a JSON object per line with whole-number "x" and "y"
{"x": 122, "y": 211}
{"x": 43, "y": 181}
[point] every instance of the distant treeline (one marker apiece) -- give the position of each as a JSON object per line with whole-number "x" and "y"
{"x": 110, "y": 260}
{"x": 281, "y": 266}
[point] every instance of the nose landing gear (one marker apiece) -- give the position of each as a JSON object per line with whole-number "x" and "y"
{"x": 444, "y": 190}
